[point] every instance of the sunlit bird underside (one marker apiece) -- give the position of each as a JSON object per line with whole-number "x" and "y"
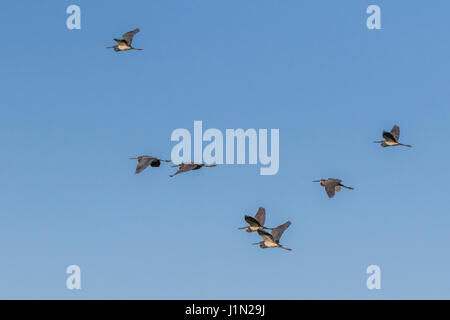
{"x": 124, "y": 44}
{"x": 256, "y": 223}
{"x": 391, "y": 138}
{"x": 272, "y": 240}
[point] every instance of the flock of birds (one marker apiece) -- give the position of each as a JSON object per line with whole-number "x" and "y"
{"x": 270, "y": 240}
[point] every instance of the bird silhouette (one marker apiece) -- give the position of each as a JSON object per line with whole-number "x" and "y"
{"x": 332, "y": 185}
{"x": 188, "y": 166}
{"x": 124, "y": 44}
{"x": 272, "y": 240}
{"x": 145, "y": 161}
{"x": 391, "y": 138}
{"x": 256, "y": 223}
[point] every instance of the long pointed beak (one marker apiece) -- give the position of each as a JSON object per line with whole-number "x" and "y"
{"x": 133, "y": 158}
{"x": 316, "y": 180}
{"x": 255, "y": 243}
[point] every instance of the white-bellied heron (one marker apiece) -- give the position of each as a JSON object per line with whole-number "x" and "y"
{"x": 256, "y": 223}
{"x": 188, "y": 166}
{"x": 391, "y": 138}
{"x": 332, "y": 185}
{"x": 272, "y": 240}
{"x": 124, "y": 44}
{"x": 145, "y": 161}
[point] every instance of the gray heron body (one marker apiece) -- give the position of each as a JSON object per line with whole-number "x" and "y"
{"x": 124, "y": 44}
{"x": 272, "y": 240}
{"x": 391, "y": 138}
{"x": 332, "y": 185}
{"x": 256, "y": 223}
{"x": 188, "y": 166}
{"x": 145, "y": 161}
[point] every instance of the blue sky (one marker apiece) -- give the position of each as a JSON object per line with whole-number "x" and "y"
{"x": 73, "y": 113}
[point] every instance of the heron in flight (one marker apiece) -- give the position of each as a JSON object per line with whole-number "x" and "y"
{"x": 256, "y": 223}
{"x": 391, "y": 138}
{"x": 332, "y": 185}
{"x": 188, "y": 166}
{"x": 124, "y": 44}
{"x": 273, "y": 240}
{"x": 145, "y": 161}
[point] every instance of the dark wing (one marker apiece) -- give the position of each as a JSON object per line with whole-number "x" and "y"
{"x": 330, "y": 186}
{"x": 278, "y": 231}
{"x": 261, "y": 216}
{"x": 395, "y": 132}
{"x": 388, "y": 136}
{"x": 265, "y": 235}
{"x": 252, "y": 221}
{"x": 330, "y": 190}
{"x": 128, "y": 37}
{"x": 143, "y": 163}
{"x": 185, "y": 167}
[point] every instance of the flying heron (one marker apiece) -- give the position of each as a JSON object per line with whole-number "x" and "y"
{"x": 145, "y": 161}
{"x": 256, "y": 223}
{"x": 331, "y": 185}
{"x": 124, "y": 44}
{"x": 272, "y": 240}
{"x": 188, "y": 166}
{"x": 391, "y": 138}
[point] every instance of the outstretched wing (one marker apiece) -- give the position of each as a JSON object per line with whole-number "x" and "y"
{"x": 330, "y": 190}
{"x": 330, "y": 186}
{"x": 265, "y": 235}
{"x": 261, "y": 216}
{"x": 183, "y": 167}
{"x": 143, "y": 163}
{"x": 389, "y": 136}
{"x": 252, "y": 221}
{"x": 188, "y": 167}
{"x": 278, "y": 231}
{"x": 395, "y": 132}
{"x": 128, "y": 37}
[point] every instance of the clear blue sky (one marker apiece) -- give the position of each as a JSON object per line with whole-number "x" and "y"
{"x": 73, "y": 113}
